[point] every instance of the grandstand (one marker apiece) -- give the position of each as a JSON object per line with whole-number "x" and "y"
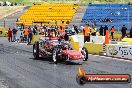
{"x": 119, "y": 14}
{"x": 48, "y": 14}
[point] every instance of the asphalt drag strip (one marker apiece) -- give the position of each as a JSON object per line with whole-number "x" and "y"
{"x": 19, "y": 70}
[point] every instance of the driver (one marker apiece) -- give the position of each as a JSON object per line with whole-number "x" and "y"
{"x": 64, "y": 38}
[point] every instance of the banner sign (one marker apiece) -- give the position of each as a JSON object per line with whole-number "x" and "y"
{"x": 119, "y": 51}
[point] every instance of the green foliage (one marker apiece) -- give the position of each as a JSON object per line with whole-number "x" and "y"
{"x": 81, "y": 2}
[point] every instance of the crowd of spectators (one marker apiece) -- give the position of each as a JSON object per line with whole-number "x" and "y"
{"x": 93, "y": 31}
{"x": 20, "y": 34}
{"x": 6, "y": 3}
{"x": 24, "y": 34}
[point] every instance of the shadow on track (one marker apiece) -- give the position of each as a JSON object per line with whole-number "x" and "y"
{"x": 59, "y": 62}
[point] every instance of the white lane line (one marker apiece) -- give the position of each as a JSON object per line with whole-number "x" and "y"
{"x": 111, "y": 58}
{"x": 20, "y": 43}
{"x": 122, "y": 59}
{"x": 23, "y": 43}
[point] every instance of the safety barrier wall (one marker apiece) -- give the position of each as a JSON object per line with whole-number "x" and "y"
{"x": 35, "y": 38}
{"x": 125, "y": 43}
{"x": 117, "y": 35}
{"x": 94, "y": 39}
{"x": 77, "y": 41}
{"x": 80, "y": 39}
{"x": 74, "y": 42}
{"x": 127, "y": 40}
{"x": 3, "y": 32}
{"x": 94, "y": 48}
{"x": 119, "y": 50}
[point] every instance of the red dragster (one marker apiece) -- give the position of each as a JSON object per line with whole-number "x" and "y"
{"x": 57, "y": 49}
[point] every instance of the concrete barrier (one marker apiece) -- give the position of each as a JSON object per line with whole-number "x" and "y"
{"x": 3, "y": 32}
{"x": 94, "y": 48}
{"x": 74, "y": 42}
{"x": 94, "y": 39}
{"x": 119, "y": 50}
{"x": 77, "y": 41}
{"x": 80, "y": 39}
{"x": 117, "y": 35}
{"x": 127, "y": 40}
{"x": 80, "y": 33}
{"x": 35, "y": 38}
{"x": 125, "y": 43}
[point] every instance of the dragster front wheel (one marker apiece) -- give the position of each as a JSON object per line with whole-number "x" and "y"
{"x": 55, "y": 56}
{"x": 85, "y": 53}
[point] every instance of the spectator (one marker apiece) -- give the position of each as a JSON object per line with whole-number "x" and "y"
{"x": 25, "y": 34}
{"x": 101, "y": 30}
{"x": 4, "y": 4}
{"x": 86, "y": 32}
{"x": 73, "y": 31}
{"x": 12, "y": 4}
{"x": 123, "y": 31}
{"x": 76, "y": 28}
{"x": 60, "y": 30}
{"x": 95, "y": 23}
{"x": 62, "y": 27}
{"x": 66, "y": 37}
{"x": 15, "y": 4}
{"x": 34, "y": 30}
{"x": 56, "y": 30}
{"x": 22, "y": 27}
{"x": 14, "y": 34}
{"x": 131, "y": 32}
{"x": 45, "y": 30}
{"x": 40, "y": 30}
{"x": 93, "y": 32}
{"x": 19, "y": 27}
{"x": 52, "y": 27}
{"x": 9, "y": 35}
{"x": 105, "y": 20}
{"x": 49, "y": 32}
{"x": 21, "y": 37}
{"x": 112, "y": 32}
{"x": 105, "y": 28}
{"x": 19, "y": 32}
{"x": 110, "y": 20}
{"x": 67, "y": 23}
{"x": 30, "y": 36}
{"x": 53, "y": 30}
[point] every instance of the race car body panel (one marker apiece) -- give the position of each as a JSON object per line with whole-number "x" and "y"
{"x": 73, "y": 54}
